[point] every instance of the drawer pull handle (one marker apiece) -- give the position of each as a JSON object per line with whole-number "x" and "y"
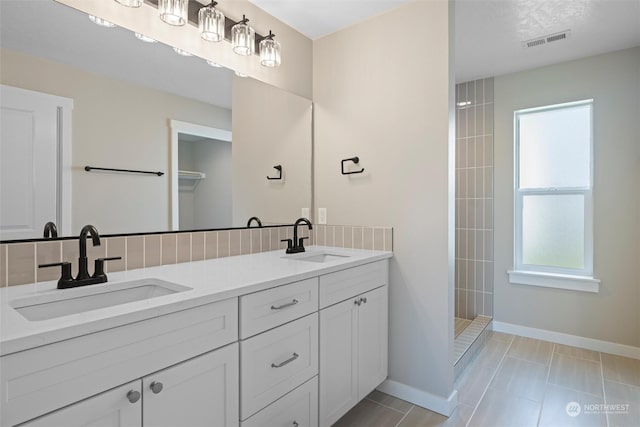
{"x": 289, "y": 304}
{"x": 156, "y": 387}
{"x": 295, "y": 424}
{"x": 286, "y": 362}
{"x": 133, "y": 396}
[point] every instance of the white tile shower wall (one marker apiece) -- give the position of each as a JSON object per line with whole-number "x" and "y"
{"x": 474, "y": 199}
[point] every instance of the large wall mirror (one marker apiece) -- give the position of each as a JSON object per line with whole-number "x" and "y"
{"x": 76, "y": 94}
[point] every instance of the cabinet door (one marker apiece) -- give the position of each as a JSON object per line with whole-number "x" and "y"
{"x": 202, "y": 391}
{"x": 338, "y": 360}
{"x": 372, "y": 340}
{"x": 119, "y": 407}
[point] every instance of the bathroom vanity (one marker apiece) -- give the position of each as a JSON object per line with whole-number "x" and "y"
{"x": 251, "y": 340}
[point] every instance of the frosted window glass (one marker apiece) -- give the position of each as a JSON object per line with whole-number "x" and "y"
{"x": 555, "y": 148}
{"x": 553, "y": 230}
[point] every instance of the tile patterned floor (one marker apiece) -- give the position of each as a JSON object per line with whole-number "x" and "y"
{"x": 518, "y": 382}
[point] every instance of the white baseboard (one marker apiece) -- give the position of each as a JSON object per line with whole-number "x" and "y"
{"x": 573, "y": 340}
{"x": 421, "y": 398}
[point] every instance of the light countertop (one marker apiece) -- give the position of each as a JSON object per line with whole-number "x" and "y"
{"x": 209, "y": 280}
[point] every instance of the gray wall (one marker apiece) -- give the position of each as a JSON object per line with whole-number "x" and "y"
{"x": 613, "y": 81}
{"x": 474, "y": 199}
{"x": 270, "y": 127}
{"x": 391, "y": 103}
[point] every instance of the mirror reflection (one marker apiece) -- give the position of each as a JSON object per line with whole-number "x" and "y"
{"x": 75, "y": 94}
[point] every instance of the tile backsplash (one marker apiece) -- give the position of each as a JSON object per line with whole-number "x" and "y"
{"x": 474, "y": 199}
{"x": 19, "y": 261}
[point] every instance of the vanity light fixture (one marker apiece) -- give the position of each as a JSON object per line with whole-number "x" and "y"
{"x": 101, "y": 22}
{"x": 145, "y": 39}
{"x": 182, "y": 52}
{"x": 214, "y": 64}
{"x": 173, "y": 12}
{"x": 130, "y": 3}
{"x": 243, "y": 37}
{"x": 270, "y": 51}
{"x": 211, "y": 23}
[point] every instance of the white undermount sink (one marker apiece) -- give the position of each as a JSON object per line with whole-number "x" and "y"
{"x": 316, "y": 257}
{"x": 92, "y": 297}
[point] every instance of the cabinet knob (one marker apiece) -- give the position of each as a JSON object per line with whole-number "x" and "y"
{"x": 363, "y": 299}
{"x": 295, "y": 424}
{"x": 133, "y": 396}
{"x": 357, "y": 302}
{"x": 156, "y": 387}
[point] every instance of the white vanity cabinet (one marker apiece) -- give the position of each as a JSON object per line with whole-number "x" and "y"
{"x": 201, "y": 391}
{"x": 297, "y": 354}
{"x": 284, "y": 354}
{"x": 353, "y": 338}
{"x": 43, "y": 379}
{"x": 119, "y": 407}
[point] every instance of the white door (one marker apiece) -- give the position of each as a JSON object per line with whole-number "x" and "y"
{"x": 30, "y": 158}
{"x": 203, "y": 391}
{"x": 338, "y": 360}
{"x": 119, "y": 407}
{"x": 372, "y": 340}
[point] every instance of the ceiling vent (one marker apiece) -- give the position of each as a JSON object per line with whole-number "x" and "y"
{"x": 550, "y": 38}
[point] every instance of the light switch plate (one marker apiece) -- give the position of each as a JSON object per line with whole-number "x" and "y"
{"x": 322, "y": 215}
{"x": 305, "y": 213}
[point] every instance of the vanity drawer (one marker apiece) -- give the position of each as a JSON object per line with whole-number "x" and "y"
{"x": 275, "y": 362}
{"x": 36, "y": 381}
{"x": 273, "y": 307}
{"x": 298, "y": 408}
{"x": 341, "y": 285}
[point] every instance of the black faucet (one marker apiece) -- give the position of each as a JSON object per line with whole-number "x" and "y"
{"x": 83, "y": 272}
{"x": 298, "y": 244}
{"x": 83, "y": 278}
{"x": 256, "y": 219}
{"x": 50, "y": 231}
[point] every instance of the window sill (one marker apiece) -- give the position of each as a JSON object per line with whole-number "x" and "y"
{"x": 558, "y": 281}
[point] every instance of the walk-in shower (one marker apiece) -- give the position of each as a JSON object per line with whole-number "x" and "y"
{"x": 474, "y": 216}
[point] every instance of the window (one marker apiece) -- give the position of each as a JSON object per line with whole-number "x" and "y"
{"x": 553, "y": 196}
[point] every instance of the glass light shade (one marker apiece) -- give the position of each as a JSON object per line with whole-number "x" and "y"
{"x": 243, "y": 38}
{"x": 214, "y": 64}
{"x": 144, "y": 38}
{"x": 211, "y": 23}
{"x": 130, "y": 3}
{"x": 101, "y": 22}
{"x": 173, "y": 12}
{"x": 270, "y": 52}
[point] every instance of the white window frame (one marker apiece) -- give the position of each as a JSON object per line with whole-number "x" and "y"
{"x": 548, "y": 276}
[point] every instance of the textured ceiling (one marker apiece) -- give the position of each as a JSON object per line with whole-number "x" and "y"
{"x": 489, "y": 33}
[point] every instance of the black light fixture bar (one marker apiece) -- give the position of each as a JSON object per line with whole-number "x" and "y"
{"x": 194, "y": 8}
